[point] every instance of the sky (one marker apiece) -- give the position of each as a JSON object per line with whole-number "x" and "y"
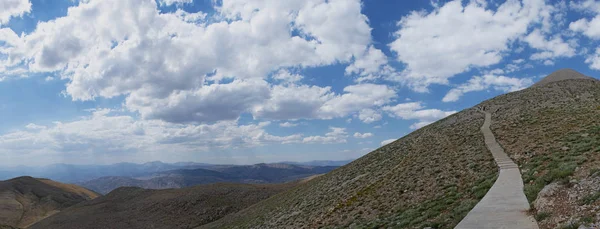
{"x": 252, "y": 81}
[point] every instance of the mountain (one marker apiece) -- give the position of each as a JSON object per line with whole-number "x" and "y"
{"x": 77, "y": 173}
{"x": 172, "y": 208}
{"x": 560, "y": 75}
{"x": 26, "y": 200}
{"x": 259, "y": 173}
{"x": 434, "y": 176}
{"x": 319, "y": 163}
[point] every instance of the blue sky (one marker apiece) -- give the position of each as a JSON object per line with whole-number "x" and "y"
{"x": 239, "y": 81}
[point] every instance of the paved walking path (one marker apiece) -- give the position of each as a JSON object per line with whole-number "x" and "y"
{"x": 505, "y": 205}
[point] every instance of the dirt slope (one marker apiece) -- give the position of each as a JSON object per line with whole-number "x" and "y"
{"x": 435, "y": 175}
{"x": 553, "y": 133}
{"x": 431, "y": 177}
{"x": 26, "y": 200}
{"x": 169, "y": 208}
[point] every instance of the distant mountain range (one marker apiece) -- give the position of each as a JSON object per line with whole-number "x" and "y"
{"x": 69, "y": 173}
{"x": 256, "y": 174}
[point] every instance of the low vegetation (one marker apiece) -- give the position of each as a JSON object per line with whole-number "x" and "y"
{"x": 429, "y": 178}
{"x": 434, "y": 176}
{"x": 172, "y": 208}
{"x": 553, "y": 134}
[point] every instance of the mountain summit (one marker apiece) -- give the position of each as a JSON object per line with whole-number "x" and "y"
{"x": 560, "y": 75}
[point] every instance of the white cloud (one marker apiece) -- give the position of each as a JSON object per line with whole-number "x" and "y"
{"x": 336, "y": 135}
{"x": 168, "y": 64}
{"x": 293, "y": 102}
{"x": 191, "y": 17}
{"x": 171, "y": 2}
{"x": 125, "y": 138}
{"x": 415, "y": 111}
{"x": 210, "y": 103}
{"x": 551, "y": 48}
{"x": 313, "y": 102}
{"x": 594, "y": 60}
{"x": 286, "y": 77}
{"x": 33, "y": 126}
{"x": 288, "y": 124}
{"x": 369, "y": 115}
{"x": 385, "y": 142}
{"x": 356, "y": 98}
{"x": 363, "y": 135}
{"x": 438, "y": 45}
{"x": 13, "y": 8}
{"x": 588, "y": 27}
{"x": 372, "y": 65}
{"x": 480, "y": 83}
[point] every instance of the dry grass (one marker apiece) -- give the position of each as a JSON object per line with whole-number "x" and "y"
{"x": 71, "y": 188}
{"x": 431, "y": 177}
{"x": 169, "y": 208}
{"x": 553, "y": 133}
{"x": 434, "y": 176}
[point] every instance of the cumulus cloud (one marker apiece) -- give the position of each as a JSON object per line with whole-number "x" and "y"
{"x": 438, "y": 45}
{"x": 385, "y": 142}
{"x": 588, "y": 27}
{"x": 288, "y": 124}
{"x": 168, "y": 64}
{"x": 371, "y": 65}
{"x": 550, "y": 48}
{"x": 335, "y": 135}
{"x": 362, "y": 135}
{"x": 416, "y": 111}
{"x": 480, "y": 83}
{"x": 103, "y": 134}
{"x": 13, "y": 8}
{"x": 286, "y": 77}
{"x": 171, "y": 2}
{"x": 209, "y": 103}
{"x": 369, "y": 115}
{"x": 314, "y": 102}
{"x": 594, "y": 60}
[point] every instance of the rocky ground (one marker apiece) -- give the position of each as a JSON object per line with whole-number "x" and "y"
{"x": 553, "y": 133}
{"x": 429, "y": 178}
{"x": 435, "y": 175}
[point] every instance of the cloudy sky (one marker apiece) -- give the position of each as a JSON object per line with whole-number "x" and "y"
{"x": 249, "y": 81}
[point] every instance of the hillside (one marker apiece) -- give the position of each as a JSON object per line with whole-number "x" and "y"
{"x": 435, "y": 175}
{"x": 257, "y": 174}
{"x": 26, "y": 200}
{"x": 171, "y": 208}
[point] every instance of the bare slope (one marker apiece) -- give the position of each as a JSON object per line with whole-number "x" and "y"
{"x": 560, "y": 75}
{"x": 553, "y": 133}
{"x": 170, "y": 208}
{"x": 26, "y": 200}
{"x": 435, "y": 175}
{"x": 431, "y": 177}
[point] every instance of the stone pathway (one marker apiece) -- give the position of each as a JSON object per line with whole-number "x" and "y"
{"x": 505, "y": 205}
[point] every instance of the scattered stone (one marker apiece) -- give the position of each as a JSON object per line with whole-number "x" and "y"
{"x": 564, "y": 148}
